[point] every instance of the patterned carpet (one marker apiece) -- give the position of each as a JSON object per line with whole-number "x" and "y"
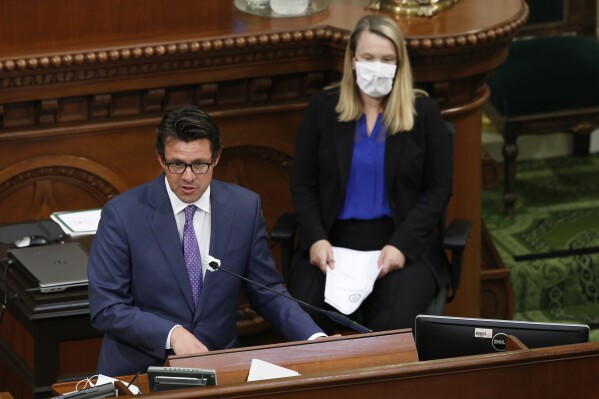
{"x": 557, "y": 222}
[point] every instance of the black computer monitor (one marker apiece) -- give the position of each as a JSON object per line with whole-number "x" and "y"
{"x": 439, "y": 337}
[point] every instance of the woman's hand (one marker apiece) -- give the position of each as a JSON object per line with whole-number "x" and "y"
{"x": 321, "y": 255}
{"x": 390, "y": 259}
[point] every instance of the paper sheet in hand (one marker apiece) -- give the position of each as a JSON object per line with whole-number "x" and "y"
{"x": 352, "y": 279}
{"x": 261, "y": 370}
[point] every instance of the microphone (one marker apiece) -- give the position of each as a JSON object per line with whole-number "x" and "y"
{"x": 213, "y": 264}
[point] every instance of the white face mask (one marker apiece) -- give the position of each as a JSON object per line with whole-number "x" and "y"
{"x": 375, "y": 78}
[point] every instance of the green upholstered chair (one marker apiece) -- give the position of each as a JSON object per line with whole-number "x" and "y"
{"x": 549, "y": 82}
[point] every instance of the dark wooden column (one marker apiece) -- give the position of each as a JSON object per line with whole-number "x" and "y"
{"x": 453, "y": 54}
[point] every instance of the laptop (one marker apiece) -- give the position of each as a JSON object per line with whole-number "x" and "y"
{"x": 53, "y": 267}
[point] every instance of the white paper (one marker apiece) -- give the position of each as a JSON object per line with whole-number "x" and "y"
{"x": 261, "y": 370}
{"x": 352, "y": 279}
{"x": 78, "y": 223}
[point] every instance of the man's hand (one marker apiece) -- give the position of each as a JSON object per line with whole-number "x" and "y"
{"x": 390, "y": 259}
{"x": 184, "y": 343}
{"x": 321, "y": 255}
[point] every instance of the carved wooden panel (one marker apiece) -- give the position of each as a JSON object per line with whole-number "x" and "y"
{"x": 35, "y": 188}
{"x": 17, "y": 346}
{"x": 130, "y": 105}
{"x": 263, "y": 170}
{"x": 267, "y": 172}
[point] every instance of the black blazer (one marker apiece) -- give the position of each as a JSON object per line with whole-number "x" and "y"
{"x": 418, "y": 178}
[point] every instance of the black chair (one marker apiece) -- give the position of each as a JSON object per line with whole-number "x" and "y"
{"x": 548, "y": 83}
{"x": 454, "y": 240}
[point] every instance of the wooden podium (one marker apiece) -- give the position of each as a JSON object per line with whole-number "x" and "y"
{"x": 308, "y": 357}
{"x": 385, "y": 365}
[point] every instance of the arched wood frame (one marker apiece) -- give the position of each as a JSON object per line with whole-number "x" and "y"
{"x": 51, "y": 182}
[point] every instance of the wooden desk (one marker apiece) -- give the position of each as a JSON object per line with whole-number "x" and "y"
{"x": 45, "y": 338}
{"x": 557, "y": 372}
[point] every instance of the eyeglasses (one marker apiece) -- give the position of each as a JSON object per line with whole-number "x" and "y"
{"x": 178, "y": 168}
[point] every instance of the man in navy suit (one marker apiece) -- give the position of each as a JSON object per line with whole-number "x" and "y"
{"x": 141, "y": 293}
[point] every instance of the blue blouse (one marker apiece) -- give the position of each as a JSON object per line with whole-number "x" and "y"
{"x": 366, "y": 194}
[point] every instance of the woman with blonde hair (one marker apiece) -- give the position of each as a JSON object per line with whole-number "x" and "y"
{"x": 372, "y": 171}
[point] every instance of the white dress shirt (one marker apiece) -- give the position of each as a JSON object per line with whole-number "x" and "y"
{"x": 202, "y": 224}
{"x": 202, "y": 221}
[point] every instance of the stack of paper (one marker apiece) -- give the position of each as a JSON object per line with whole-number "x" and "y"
{"x": 78, "y": 223}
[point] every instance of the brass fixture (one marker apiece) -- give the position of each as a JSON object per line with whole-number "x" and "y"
{"x": 423, "y": 8}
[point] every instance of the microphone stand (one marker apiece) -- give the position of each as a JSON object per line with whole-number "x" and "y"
{"x": 335, "y": 316}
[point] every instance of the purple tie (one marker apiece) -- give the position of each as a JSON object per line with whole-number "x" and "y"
{"x": 191, "y": 252}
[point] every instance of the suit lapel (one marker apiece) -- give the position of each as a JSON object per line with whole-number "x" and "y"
{"x": 222, "y": 223}
{"x": 344, "y": 143}
{"x": 163, "y": 224}
{"x": 394, "y": 148}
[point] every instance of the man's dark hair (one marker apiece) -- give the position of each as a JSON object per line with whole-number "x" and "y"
{"x": 188, "y": 124}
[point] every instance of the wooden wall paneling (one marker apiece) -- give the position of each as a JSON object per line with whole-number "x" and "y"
{"x": 111, "y": 124}
{"x": 451, "y": 58}
{"x": 96, "y": 102}
{"x": 497, "y": 294}
{"x": 40, "y": 177}
{"x": 75, "y": 356}
{"x": 62, "y": 24}
{"x": 40, "y": 333}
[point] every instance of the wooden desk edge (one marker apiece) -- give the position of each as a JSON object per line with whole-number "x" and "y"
{"x": 381, "y": 373}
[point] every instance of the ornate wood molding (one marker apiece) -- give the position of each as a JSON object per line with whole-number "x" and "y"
{"x": 49, "y": 69}
{"x": 134, "y": 104}
{"x": 105, "y": 66}
{"x": 119, "y": 62}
